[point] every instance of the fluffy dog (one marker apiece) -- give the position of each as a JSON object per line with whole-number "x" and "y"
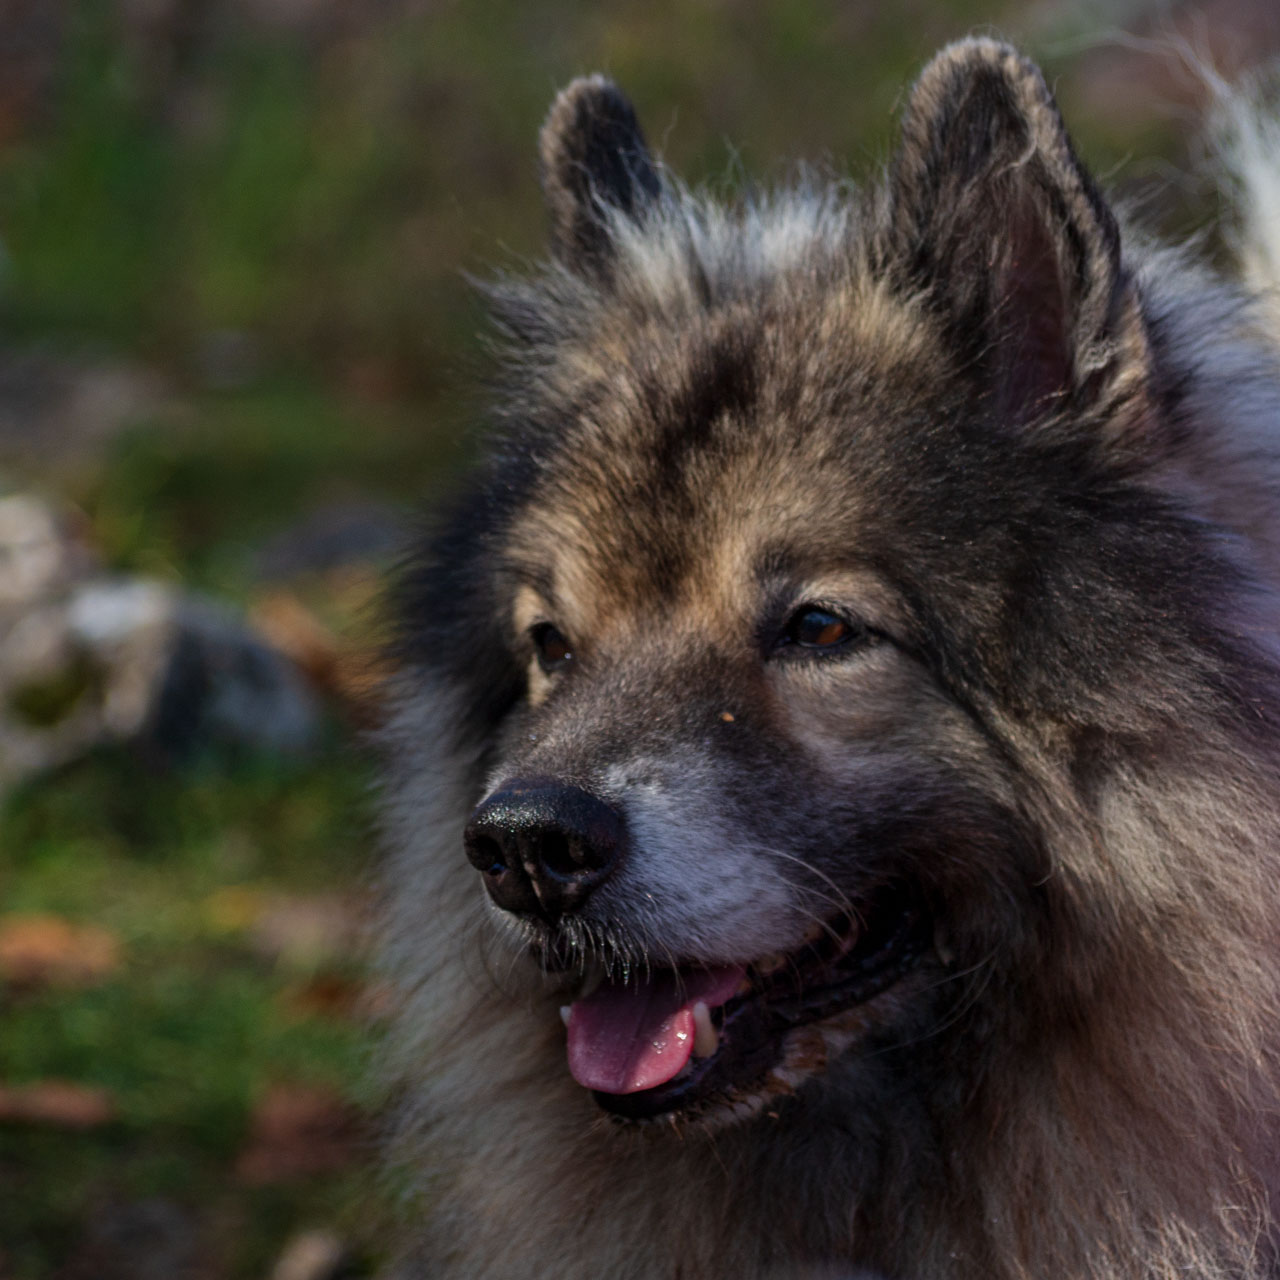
{"x": 833, "y": 797}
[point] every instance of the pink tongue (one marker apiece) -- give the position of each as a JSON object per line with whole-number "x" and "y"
{"x": 626, "y": 1038}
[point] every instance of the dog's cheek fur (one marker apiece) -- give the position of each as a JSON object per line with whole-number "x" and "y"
{"x": 452, "y": 630}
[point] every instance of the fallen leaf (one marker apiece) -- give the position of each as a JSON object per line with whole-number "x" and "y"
{"x": 58, "y": 1103}
{"x": 297, "y": 1131}
{"x": 311, "y": 1255}
{"x": 296, "y": 631}
{"x": 327, "y": 995}
{"x": 304, "y": 933}
{"x": 350, "y": 673}
{"x": 45, "y": 950}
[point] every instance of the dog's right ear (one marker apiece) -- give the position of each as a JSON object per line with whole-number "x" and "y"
{"x": 1002, "y": 228}
{"x": 594, "y": 160}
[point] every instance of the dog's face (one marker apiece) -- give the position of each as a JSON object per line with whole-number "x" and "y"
{"x": 733, "y": 774}
{"x": 781, "y": 513}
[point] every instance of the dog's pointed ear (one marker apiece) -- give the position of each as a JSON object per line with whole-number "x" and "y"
{"x": 594, "y": 160}
{"x": 997, "y": 222}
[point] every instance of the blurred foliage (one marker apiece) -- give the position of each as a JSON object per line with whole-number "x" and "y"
{"x": 196, "y": 500}
{"x": 197, "y": 1023}
{"x": 323, "y": 193}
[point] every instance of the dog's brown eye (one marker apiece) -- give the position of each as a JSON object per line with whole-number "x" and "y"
{"x": 815, "y": 628}
{"x": 553, "y": 649}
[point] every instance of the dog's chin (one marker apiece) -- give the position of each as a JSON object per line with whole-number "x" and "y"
{"x": 767, "y": 1027}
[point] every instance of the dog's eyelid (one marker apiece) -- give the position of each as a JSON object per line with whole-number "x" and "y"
{"x": 553, "y": 648}
{"x": 818, "y": 629}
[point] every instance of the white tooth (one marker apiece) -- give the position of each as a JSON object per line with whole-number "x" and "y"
{"x": 705, "y": 1037}
{"x": 566, "y": 1011}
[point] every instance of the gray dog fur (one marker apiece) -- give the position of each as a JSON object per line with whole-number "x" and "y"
{"x": 1030, "y": 461}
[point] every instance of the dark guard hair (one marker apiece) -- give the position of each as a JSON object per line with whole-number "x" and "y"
{"x": 1055, "y": 447}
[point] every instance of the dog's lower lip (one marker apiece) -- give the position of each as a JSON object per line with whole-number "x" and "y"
{"x": 824, "y": 979}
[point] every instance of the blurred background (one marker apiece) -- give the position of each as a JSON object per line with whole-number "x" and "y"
{"x": 237, "y": 352}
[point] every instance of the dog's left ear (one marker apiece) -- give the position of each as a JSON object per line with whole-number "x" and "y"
{"x": 594, "y": 161}
{"x": 998, "y": 223}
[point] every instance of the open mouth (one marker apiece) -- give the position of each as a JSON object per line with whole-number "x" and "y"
{"x": 676, "y": 1039}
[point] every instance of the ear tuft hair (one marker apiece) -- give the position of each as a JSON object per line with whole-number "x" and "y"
{"x": 995, "y": 219}
{"x": 594, "y": 158}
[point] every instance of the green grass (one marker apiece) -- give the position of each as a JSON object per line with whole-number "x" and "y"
{"x": 197, "y": 1022}
{"x": 221, "y": 819}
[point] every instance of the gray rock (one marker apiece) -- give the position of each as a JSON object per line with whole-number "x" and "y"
{"x": 87, "y": 659}
{"x": 38, "y": 554}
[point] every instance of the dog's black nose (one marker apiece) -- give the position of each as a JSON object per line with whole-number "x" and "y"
{"x": 544, "y": 847}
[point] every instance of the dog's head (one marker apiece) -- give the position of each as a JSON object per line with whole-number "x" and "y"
{"x": 812, "y": 549}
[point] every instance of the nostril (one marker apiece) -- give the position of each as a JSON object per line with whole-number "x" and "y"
{"x": 485, "y": 854}
{"x": 560, "y": 854}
